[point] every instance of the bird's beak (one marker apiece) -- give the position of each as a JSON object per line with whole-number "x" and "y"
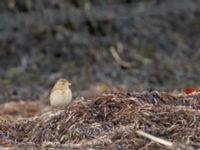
{"x": 69, "y": 84}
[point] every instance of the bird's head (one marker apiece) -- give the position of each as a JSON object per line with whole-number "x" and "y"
{"x": 61, "y": 84}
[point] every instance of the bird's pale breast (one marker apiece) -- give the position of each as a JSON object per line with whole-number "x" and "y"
{"x": 60, "y": 98}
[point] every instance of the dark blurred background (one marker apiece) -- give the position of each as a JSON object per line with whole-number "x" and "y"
{"x": 139, "y": 44}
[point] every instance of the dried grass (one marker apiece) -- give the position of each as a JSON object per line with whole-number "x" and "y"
{"x": 110, "y": 121}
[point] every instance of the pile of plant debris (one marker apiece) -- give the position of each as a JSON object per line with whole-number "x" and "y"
{"x": 109, "y": 121}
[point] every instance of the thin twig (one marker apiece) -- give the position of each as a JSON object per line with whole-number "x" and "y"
{"x": 156, "y": 139}
{"x": 118, "y": 58}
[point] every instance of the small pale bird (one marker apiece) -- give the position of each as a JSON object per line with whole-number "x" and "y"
{"x": 61, "y": 94}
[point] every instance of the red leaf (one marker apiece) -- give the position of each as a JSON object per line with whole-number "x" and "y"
{"x": 189, "y": 90}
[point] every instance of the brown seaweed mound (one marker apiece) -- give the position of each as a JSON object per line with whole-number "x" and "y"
{"x": 109, "y": 121}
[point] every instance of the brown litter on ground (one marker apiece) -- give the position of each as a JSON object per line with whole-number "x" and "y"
{"x": 110, "y": 121}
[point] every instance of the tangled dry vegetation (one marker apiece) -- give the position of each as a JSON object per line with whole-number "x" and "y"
{"x": 109, "y": 121}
